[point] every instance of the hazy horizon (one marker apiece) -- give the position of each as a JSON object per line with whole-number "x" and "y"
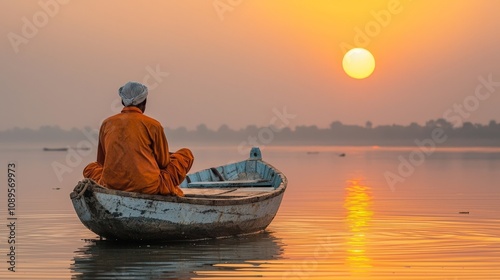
{"x": 243, "y": 127}
{"x": 437, "y": 133}
{"x": 240, "y": 62}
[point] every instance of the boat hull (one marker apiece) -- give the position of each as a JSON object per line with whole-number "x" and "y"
{"x": 130, "y": 218}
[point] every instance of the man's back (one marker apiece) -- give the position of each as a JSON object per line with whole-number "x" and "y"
{"x": 132, "y": 150}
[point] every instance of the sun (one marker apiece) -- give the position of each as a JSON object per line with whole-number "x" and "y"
{"x": 358, "y": 63}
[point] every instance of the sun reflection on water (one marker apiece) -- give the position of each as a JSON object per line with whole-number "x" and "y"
{"x": 358, "y": 202}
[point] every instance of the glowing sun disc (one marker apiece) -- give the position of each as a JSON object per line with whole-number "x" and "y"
{"x": 358, "y": 63}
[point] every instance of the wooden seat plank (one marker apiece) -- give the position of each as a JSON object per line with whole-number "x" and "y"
{"x": 225, "y": 184}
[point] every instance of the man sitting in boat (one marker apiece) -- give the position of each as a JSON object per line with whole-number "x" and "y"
{"x": 133, "y": 153}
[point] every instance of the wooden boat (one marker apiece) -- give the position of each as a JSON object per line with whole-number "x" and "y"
{"x": 232, "y": 199}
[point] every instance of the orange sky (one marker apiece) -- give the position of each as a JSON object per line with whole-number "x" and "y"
{"x": 239, "y": 64}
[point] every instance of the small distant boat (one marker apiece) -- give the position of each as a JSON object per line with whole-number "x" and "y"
{"x": 232, "y": 199}
{"x": 55, "y": 149}
{"x": 65, "y": 149}
{"x": 312, "y": 152}
{"x": 342, "y": 155}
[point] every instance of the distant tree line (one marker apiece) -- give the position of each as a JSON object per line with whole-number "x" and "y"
{"x": 468, "y": 134}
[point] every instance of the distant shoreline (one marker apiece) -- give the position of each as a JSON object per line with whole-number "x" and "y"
{"x": 439, "y": 132}
{"x": 70, "y": 144}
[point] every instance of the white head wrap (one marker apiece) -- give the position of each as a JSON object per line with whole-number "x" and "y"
{"x": 133, "y": 93}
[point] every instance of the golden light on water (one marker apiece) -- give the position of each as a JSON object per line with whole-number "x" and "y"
{"x": 358, "y": 202}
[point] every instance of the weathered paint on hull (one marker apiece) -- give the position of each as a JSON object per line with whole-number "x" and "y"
{"x": 126, "y": 218}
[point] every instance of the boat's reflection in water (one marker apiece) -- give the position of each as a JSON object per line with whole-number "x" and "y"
{"x": 207, "y": 258}
{"x": 357, "y": 203}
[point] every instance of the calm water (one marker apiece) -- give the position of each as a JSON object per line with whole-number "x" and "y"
{"x": 340, "y": 219}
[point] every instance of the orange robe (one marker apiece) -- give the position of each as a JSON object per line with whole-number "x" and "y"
{"x": 133, "y": 156}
